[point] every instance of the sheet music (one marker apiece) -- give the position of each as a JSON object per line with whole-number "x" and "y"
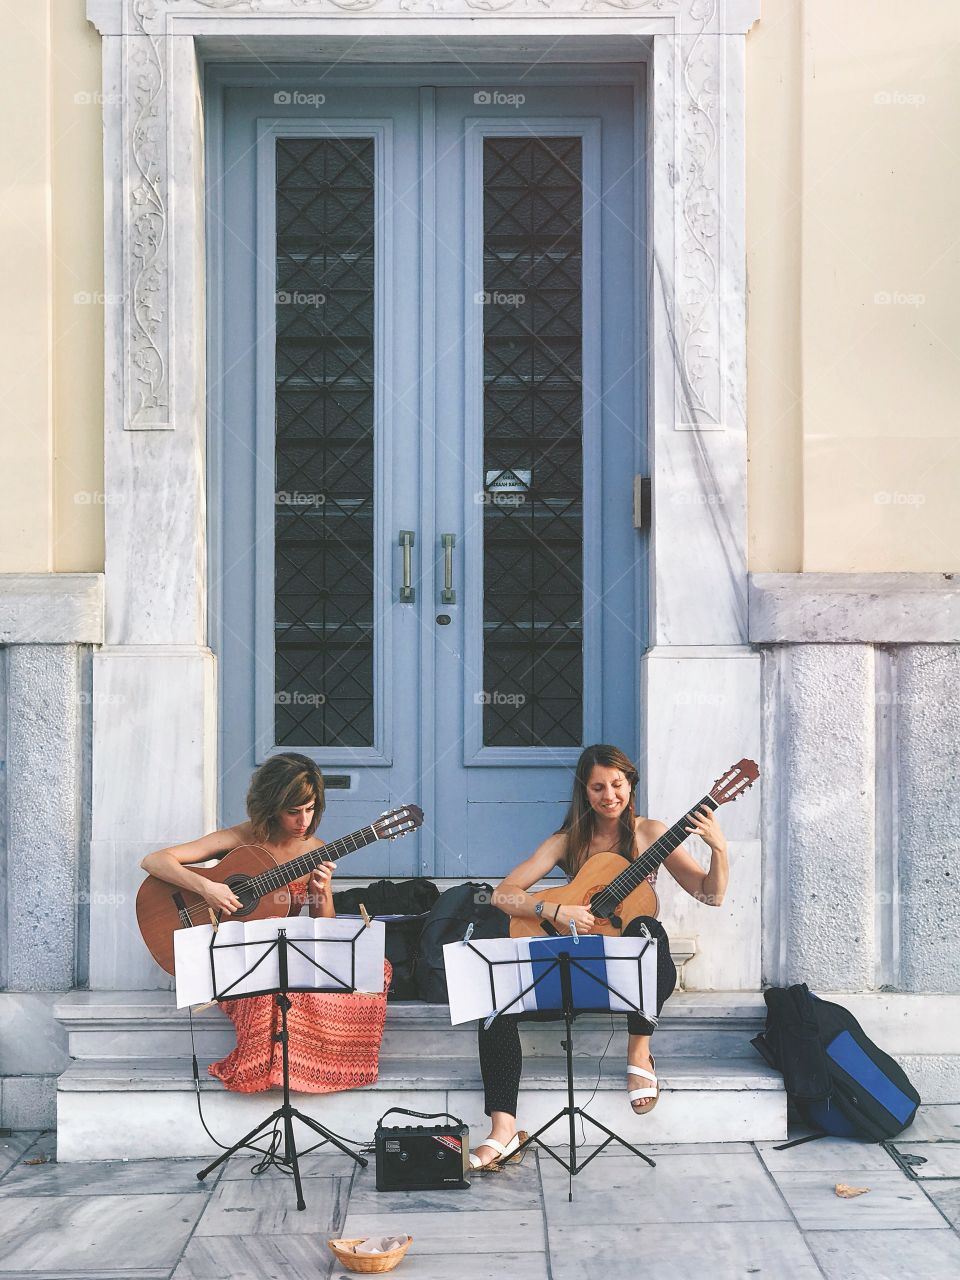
{"x": 468, "y": 975}
{"x": 322, "y": 940}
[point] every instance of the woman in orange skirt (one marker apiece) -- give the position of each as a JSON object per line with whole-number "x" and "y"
{"x": 334, "y": 1040}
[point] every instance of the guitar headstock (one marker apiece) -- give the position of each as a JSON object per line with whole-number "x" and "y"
{"x": 398, "y": 822}
{"x": 739, "y": 778}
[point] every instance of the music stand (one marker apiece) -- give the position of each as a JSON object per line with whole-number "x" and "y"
{"x": 279, "y": 985}
{"x": 557, "y": 957}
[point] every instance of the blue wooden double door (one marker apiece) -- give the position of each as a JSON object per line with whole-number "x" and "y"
{"x": 426, "y": 409}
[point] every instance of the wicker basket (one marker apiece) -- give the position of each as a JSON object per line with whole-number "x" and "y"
{"x": 368, "y": 1262}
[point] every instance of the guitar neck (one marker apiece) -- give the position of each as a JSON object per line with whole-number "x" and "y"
{"x": 658, "y": 852}
{"x": 301, "y": 866}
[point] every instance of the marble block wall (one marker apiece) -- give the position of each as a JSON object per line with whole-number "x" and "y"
{"x": 44, "y": 819}
{"x": 861, "y": 755}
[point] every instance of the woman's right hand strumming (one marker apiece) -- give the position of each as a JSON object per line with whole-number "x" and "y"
{"x": 220, "y": 897}
{"x": 582, "y": 916}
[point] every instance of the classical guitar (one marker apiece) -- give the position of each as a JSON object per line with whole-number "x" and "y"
{"x": 256, "y": 877}
{"x": 615, "y": 889}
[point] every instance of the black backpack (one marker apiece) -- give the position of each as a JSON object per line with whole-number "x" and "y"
{"x": 451, "y": 914}
{"x": 838, "y": 1079}
{"x": 411, "y": 899}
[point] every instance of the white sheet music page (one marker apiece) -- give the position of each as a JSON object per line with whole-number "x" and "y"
{"x": 468, "y": 977}
{"x": 191, "y": 951}
{"x": 328, "y": 942}
{"x": 333, "y": 952}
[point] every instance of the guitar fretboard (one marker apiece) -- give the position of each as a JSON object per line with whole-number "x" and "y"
{"x": 649, "y": 860}
{"x": 301, "y": 866}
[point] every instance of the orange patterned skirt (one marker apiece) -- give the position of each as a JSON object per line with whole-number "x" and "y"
{"x": 334, "y": 1041}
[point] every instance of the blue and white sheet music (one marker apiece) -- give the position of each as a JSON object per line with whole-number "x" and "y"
{"x": 597, "y": 963}
{"x": 320, "y": 940}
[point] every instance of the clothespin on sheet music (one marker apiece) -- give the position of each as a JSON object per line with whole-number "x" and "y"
{"x": 214, "y": 919}
{"x": 573, "y": 930}
{"x": 469, "y": 933}
{"x": 367, "y": 922}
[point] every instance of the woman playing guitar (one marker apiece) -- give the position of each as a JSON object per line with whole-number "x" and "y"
{"x": 601, "y": 818}
{"x": 334, "y": 1039}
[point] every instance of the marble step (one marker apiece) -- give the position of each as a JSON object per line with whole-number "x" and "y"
{"x": 115, "y": 1109}
{"x": 146, "y": 1025}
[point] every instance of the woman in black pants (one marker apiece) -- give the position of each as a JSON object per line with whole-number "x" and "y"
{"x": 601, "y": 819}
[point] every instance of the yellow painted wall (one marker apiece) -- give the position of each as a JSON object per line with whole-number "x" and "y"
{"x": 854, "y": 285}
{"x": 853, "y": 228}
{"x": 51, "y": 288}
{"x": 26, "y": 322}
{"x": 79, "y": 303}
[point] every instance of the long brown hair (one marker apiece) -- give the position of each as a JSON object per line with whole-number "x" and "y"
{"x": 284, "y": 782}
{"x": 580, "y": 824}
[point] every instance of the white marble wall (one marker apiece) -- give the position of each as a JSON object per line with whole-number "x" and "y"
{"x": 154, "y": 784}
{"x": 701, "y": 715}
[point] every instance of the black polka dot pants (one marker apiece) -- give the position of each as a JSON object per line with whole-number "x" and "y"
{"x": 501, "y": 1058}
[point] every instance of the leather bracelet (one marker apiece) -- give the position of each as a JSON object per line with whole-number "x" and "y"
{"x": 556, "y": 913}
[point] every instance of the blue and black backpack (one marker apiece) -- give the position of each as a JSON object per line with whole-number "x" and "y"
{"x": 839, "y": 1080}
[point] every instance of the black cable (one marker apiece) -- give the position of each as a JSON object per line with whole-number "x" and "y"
{"x": 613, "y": 1032}
{"x": 276, "y": 1135}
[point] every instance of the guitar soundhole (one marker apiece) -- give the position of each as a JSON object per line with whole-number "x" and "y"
{"x": 238, "y": 885}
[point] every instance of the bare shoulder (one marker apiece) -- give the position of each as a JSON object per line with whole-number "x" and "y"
{"x": 648, "y": 830}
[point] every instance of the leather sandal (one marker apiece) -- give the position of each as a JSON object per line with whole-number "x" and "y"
{"x": 506, "y": 1153}
{"x": 645, "y": 1094}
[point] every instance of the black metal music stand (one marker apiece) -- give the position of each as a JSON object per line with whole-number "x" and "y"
{"x": 566, "y": 961}
{"x": 286, "y": 1112}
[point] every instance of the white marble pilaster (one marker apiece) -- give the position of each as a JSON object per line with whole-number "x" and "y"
{"x": 697, "y": 329}
{"x": 154, "y": 784}
{"x": 703, "y": 715}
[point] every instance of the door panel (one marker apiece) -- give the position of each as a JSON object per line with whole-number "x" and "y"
{"x": 542, "y": 654}
{"x": 428, "y": 321}
{"x": 318, "y": 465}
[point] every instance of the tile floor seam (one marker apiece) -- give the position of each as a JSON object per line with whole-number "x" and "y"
{"x": 193, "y": 1229}
{"x": 543, "y": 1215}
{"x": 787, "y": 1205}
{"x": 953, "y": 1226}
{"x": 22, "y": 1156}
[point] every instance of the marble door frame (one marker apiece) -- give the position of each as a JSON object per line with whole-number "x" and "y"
{"x": 155, "y": 724}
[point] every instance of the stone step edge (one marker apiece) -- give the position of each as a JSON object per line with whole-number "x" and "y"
{"x": 462, "y": 1075}
{"x": 684, "y": 1010}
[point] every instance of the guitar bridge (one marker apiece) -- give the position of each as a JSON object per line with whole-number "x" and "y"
{"x": 617, "y": 922}
{"x": 182, "y": 911}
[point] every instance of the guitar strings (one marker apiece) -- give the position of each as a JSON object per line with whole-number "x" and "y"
{"x": 649, "y": 860}
{"x": 277, "y": 877}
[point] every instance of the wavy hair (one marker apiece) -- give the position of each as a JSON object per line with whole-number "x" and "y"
{"x": 580, "y": 824}
{"x": 284, "y": 782}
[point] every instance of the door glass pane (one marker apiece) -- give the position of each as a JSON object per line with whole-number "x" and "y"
{"x": 324, "y": 441}
{"x": 532, "y": 454}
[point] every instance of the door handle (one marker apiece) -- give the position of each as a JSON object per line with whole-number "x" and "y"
{"x": 408, "y": 592}
{"x": 448, "y": 541}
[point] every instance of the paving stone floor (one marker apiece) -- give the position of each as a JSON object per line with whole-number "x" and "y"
{"x": 706, "y": 1212}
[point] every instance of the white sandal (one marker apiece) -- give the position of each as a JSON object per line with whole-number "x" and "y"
{"x": 639, "y": 1095}
{"x": 505, "y": 1152}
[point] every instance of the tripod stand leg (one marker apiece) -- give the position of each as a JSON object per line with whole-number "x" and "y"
{"x": 244, "y": 1141}
{"x": 290, "y": 1154}
{"x": 328, "y": 1137}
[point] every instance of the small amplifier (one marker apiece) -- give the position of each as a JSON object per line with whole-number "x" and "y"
{"x": 421, "y": 1157}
